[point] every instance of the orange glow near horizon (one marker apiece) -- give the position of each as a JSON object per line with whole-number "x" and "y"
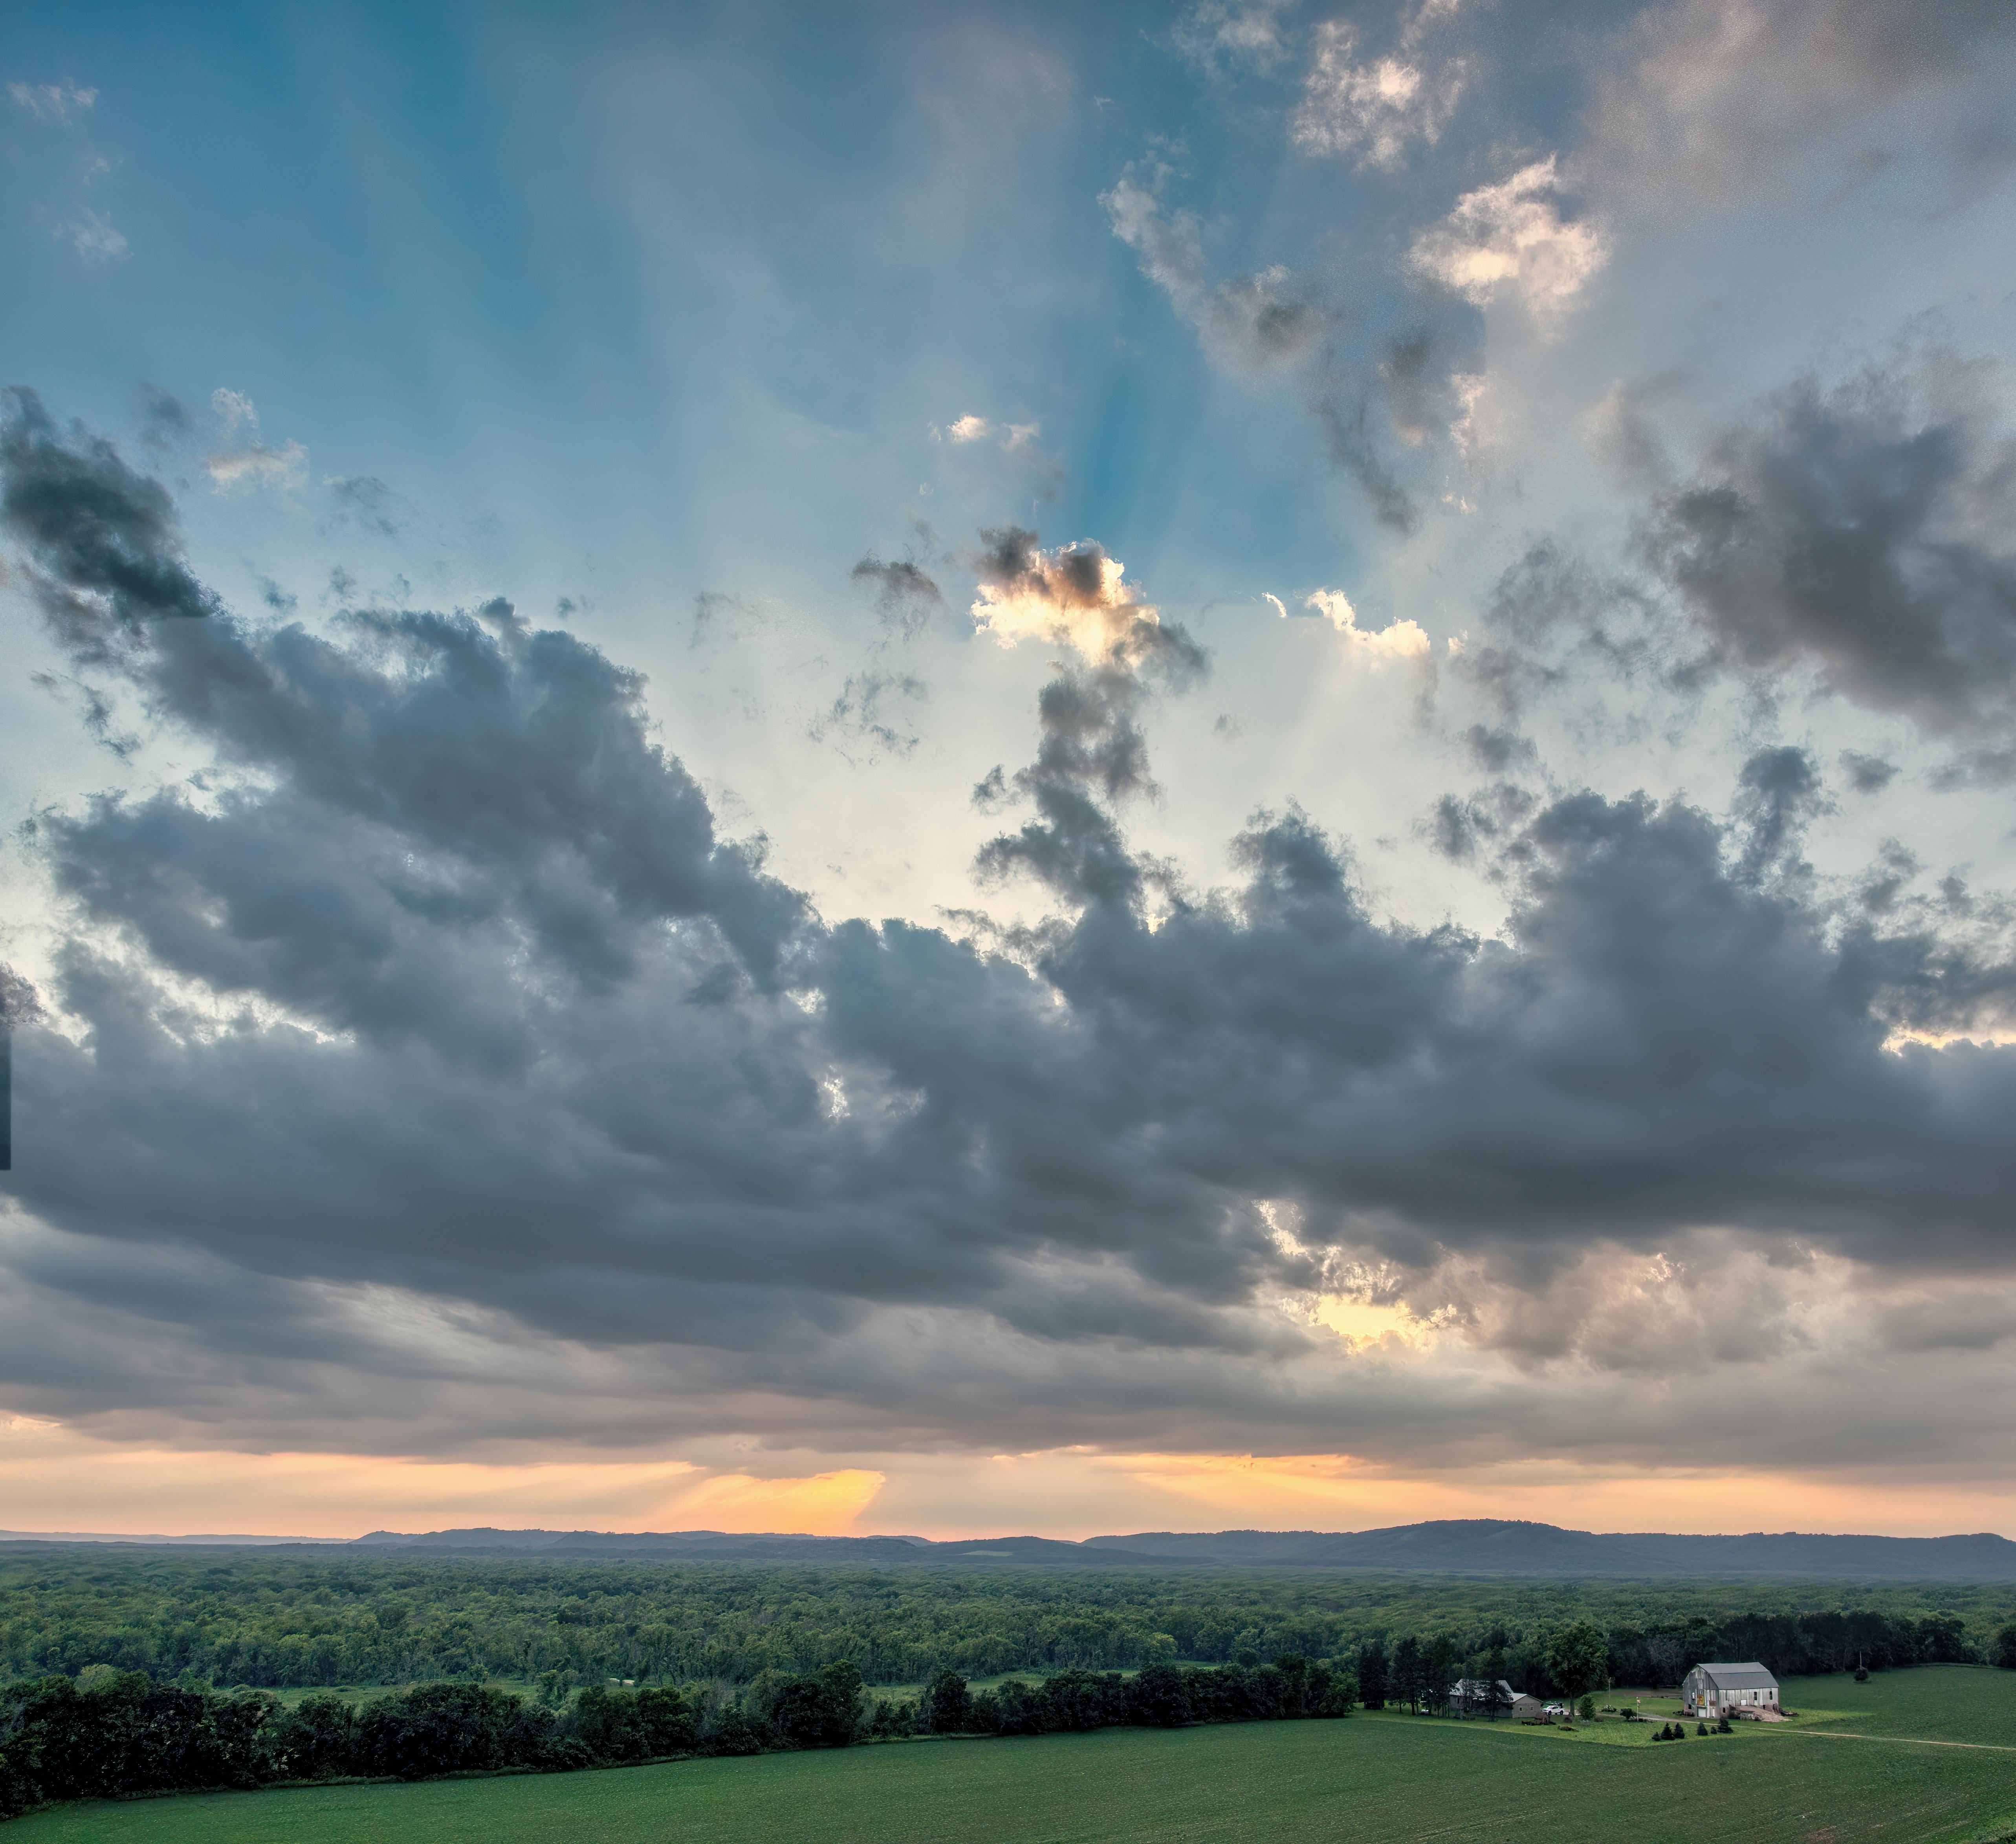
{"x": 54, "y": 1479}
{"x": 51, "y": 1478}
{"x": 1288, "y": 1491}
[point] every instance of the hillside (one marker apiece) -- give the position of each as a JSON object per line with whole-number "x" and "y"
{"x": 1479, "y": 1546}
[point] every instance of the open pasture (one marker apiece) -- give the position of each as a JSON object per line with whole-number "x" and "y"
{"x": 1867, "y": 1770}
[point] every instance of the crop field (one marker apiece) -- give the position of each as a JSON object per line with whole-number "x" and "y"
{"x": 1928, "y": 1753}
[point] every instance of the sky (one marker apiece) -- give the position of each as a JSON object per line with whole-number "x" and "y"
{"x": 1000, "y": 768}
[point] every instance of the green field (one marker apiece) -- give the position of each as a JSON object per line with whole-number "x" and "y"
{"x": 1873, "y": 1761}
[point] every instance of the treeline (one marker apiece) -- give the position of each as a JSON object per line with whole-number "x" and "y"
{"x": 1800, "y": 1645}
{"x": 1417, "y": 1667}
{"x": 263, "y": 1621}
{"x": 1415, "y": 1671}
{"x": 127, "y": 1733}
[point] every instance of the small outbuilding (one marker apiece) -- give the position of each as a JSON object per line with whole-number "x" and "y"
{"x": 1718, "y": 1690}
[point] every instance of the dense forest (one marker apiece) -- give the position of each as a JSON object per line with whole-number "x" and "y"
{"x": 245, "y": 1619}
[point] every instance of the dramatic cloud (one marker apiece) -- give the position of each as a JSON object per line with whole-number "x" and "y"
{"x": 1076, "y": 595}
{"x": 1861, "y": 531}
{"x": 437, "y": 1037}
{"x": 100, "y": 540}
{"x": 1510, "y": 239}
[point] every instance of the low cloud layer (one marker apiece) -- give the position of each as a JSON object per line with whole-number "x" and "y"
{"x": 435, "y": 1027}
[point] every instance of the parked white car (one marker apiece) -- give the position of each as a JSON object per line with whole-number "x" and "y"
{"x": 1555, "y": 1709}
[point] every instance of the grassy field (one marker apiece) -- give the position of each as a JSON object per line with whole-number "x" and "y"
{"x": 1873, "y": 1762}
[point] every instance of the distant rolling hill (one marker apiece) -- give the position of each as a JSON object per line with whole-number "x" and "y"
{"x": 1494, "y": 1546}
{"x": 1452, "y": 1547}
{"x": 1468, "y": 1546}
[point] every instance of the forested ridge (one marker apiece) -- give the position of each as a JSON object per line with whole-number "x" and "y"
{"x": 242, "y": 1618}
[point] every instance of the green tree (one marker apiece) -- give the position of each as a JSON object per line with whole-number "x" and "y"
{"x": 821, "y": 1712}
{"x": 1372, "y": 1674}
{"x": 1439, "y": 1672}
{"x": 1404, "y": 1678}
{"x": 2002, "y": 1649}
{"x": 1162, "y": 1697}
{"x": 946, "y": 1705}
{"x": 1576, "y": 1656}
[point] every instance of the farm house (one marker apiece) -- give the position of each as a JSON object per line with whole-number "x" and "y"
{"x": 1729, "y": 1690}
{"x": 1478, "y": 1696}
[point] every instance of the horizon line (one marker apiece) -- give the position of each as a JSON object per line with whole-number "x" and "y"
{"x": 272, "y": 1538}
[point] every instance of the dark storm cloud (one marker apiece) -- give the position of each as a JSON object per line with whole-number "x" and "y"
{"x": 102, "y": 542}
{"x": 1498, "y": 750}
{"x": 1468, "y": 829}
{"x": 20, "y": 1003}
{"x": 1863, "y": 531}
{"x": 448, "y": 983}
{"x": 1778, "y": 795}
{"x": 1093, "y": 753}
{"x": 1867, "y": 774}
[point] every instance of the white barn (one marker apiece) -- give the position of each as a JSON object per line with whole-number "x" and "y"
{"x": 1729, "y": 1690}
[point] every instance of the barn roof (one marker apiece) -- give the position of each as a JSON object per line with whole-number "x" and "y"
{"x": 1749, "y": 1676}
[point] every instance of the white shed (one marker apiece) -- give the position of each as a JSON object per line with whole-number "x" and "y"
{"x": 1729, "y": 1689}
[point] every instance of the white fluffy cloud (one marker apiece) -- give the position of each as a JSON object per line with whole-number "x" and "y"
{"x": 1510, "y": 239}
{"x": 1076, "y": 595}
{"x": 1376, "y": 646}
{"x": 1372, "y": 111}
